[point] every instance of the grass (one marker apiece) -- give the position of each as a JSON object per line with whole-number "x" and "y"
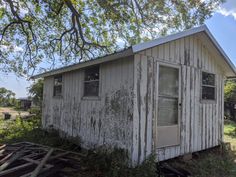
{"x": 18, "y": 130}
{"x": 230, "y": 133}
{"x": 214, "y": 163}
{"x": 218, "y": 162}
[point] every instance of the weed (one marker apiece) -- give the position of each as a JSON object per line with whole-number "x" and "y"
{"x": 115, "y": 164}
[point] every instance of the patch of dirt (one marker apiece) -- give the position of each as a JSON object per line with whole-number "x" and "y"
{"x": 14, "y": 113}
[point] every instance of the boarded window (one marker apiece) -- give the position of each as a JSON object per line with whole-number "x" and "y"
{"x": 91, "y": 81}
{"x": 208, "y": 86}
{"x": 57, "y": 89}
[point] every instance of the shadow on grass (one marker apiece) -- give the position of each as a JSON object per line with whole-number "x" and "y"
{"x": 217, "y": 162}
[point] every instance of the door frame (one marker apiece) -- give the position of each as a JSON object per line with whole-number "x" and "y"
{"x": 177, "y": 66}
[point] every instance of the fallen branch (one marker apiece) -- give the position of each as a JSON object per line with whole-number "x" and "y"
{"x": 40, "y": 166}
{"x": 12, "y": 159}
{"x": 2, "y": 146}
{"x": 14, "y": 169}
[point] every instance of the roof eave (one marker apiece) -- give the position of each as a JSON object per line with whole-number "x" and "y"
{"x": 146, "y": 45}
{"x": 221, "y": 51}
{"x": 140, "y": 47}
{"x": 203, "y": 28}
{"x": 111, "y": 57}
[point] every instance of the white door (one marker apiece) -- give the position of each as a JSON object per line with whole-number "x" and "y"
{"x": 168, "y": 108}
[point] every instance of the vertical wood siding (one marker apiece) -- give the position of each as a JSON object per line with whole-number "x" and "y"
{"x": 201, "y": 123}
{"x": 103, "y": 121}
{"x": 125, "y": 113}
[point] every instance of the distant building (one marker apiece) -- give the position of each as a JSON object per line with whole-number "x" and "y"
{"x": 25, "y": 103}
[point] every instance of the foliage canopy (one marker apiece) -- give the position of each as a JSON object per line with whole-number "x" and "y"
{"x": 48, "y": 32}
{"x": 230, "y": 90}
{"x": 7, "y": 97}
{"x": 36, "y": 92}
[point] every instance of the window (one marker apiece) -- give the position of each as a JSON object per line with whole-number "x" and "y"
{"x": 91, "y": 82}
{"x": 57, "y": 89}
{"x": 208, "y": 86}
{"x": 168, "y": 96}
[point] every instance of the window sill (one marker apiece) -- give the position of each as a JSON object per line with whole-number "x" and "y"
{"x": 208, "y": 101}
{"x": 92, "y": 98}
{"x": 58, "y": 97}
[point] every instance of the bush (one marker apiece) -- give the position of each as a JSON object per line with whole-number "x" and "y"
{"x": 35, "y": 110}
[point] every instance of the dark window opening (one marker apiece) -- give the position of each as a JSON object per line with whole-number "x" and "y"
{"x": 57, "y": 89}
{"x": 91, "y": 81}
{"x": 208, "y": 86}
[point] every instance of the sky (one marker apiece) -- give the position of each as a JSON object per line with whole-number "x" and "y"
{"x": 222, "y": 25}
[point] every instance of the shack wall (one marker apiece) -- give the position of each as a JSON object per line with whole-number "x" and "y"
{"x": 201, "y": 123}
{"x": 103, "y": 121}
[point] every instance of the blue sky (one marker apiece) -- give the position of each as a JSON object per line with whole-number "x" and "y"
{"x": 222, "y": 25}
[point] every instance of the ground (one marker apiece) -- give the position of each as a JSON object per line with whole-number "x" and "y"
{"x": 219, "y": 162}
{"x": 230, "y": 133}
{"x": 14, "y": 113}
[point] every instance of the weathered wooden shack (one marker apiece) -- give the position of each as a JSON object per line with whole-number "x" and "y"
{"x": 25, "y": 103}
{"x": 164, "y": 97}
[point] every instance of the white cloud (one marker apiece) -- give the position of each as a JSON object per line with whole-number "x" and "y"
{"x": 228, "y": 9}
{"x": 225, "y": 12}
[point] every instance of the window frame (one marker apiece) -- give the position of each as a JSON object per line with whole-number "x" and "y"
{"x": 92, "y": 97}
{"x": 211, "y": 86}
{"x": 177, "y": 126}
{"x": 176, "y": 66}
{"x": 62, "y": 81}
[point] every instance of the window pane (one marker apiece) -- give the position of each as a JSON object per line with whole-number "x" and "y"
{"x": 57, "y": 90}
{"x": 169, "y": 81}
{"x": 58, "y": 80}
{"x": 167, "y": 111}
{"x": 92, "y": 74}
{"x": 208, "y": 79}
{"x": 91, "y": 85}
{"x": 208, "y": 93}
{"x": 91, "y": 88}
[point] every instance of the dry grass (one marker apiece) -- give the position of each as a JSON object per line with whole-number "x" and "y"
{"x": 14, "y": 113}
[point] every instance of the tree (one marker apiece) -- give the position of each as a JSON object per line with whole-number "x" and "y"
{"x": 36, "y": 92}
{"x": 67, "y": 31}
{"x": 7, "y": 97}
{"x": 230, "y": 91}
